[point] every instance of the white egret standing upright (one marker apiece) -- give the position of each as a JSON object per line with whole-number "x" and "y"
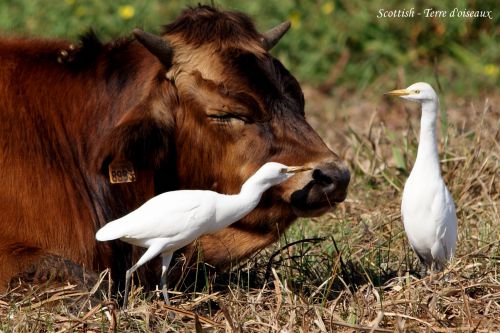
{"x": 427, "y": 207}
{"x": 174, "y": 219}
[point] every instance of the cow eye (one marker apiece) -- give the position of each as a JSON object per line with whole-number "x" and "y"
{"x": 227, "y": 118}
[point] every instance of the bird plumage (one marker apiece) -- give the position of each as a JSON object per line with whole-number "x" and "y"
{"x": 174, "y": 219}
{"x": 427, "y": 207}
{"x": 189, "y": 205}
{"x": 429, "y": 219}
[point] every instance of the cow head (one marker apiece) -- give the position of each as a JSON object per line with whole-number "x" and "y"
{"x": 221, "y": 106}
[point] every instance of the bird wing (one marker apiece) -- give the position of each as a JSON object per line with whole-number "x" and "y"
{"x": 415, "y": 207}
{"x": 444, "y": 216}
{"x": 164, "y": 216}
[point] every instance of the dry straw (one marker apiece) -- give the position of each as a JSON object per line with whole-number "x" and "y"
{"x": 349, "y": 271}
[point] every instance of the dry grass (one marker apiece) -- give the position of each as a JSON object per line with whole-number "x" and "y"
{"x": 348, "y": 271}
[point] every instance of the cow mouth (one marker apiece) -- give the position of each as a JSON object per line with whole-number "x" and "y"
{"x": 311, "y": 212}
{"x": 316, "y": 199}
{"x": 313, "y": 209}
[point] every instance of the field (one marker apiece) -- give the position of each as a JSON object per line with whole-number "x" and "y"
{"x": 350, "y": 270}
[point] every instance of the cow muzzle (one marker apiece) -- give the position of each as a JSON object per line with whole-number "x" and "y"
{"x": 314, "y": 192}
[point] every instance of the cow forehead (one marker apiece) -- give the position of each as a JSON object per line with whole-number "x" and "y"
{"x": 210, "y": 59}
{"x": 256, "y": 86}
{"x": 202, "y": 59}
{"x": 238, "y": 78}
{"x": 231, "y": 66}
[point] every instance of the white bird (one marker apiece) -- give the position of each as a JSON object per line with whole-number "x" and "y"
{"x": 174, "y": 219}
{"x": 427, "y": 207}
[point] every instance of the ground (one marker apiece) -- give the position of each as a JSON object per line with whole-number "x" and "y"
{"x": 350, "y": 270}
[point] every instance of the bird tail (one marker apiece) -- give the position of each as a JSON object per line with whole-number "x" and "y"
{"x": 109, "y": 232}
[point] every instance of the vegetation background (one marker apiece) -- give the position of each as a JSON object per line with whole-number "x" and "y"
{"x": 350, "y": 270}
{"x": 339, "y": 42}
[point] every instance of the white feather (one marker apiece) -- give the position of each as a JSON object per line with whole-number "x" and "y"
{"x": 427, "y": 208}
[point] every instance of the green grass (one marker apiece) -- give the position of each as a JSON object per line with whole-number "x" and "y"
{"x": 331, "y": 44}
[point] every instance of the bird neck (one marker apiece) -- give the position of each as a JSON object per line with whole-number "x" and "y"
{"x": 427, "y": 154}
{"x": 231, "y": 208}
{"x": 250, "y": 194}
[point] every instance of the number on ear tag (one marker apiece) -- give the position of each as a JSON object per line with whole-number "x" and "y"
{"x": 121, "y": 172}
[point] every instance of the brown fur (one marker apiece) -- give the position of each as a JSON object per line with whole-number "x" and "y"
{"x": 64, "y": 120}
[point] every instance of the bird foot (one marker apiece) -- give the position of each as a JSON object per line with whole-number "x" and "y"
{"x": 447, "y": 277}
{"x": 165, "y": 296}
{"x": 423, "y": 271}
{"x": 170, "y": 314}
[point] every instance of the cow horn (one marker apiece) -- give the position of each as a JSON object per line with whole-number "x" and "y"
{"x": 158, "y": 46}
{"x": 272, "y": 36}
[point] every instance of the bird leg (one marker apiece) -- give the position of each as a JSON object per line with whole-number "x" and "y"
{"x": 150, "y": 253}
{"x": 423, "y": 261}
{"x": 128, "y": 275}
{"x": 166, "y": 258}
{"x": 423, "y": 270}
{"x": 435, "y": 268}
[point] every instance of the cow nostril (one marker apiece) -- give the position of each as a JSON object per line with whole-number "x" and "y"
{"x": 326, "y": 186}
{"x": 322, "y": 178}
{"x": 333, "y": 181}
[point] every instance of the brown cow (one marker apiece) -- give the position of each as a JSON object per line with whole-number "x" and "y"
{"x": 202, "y": 106}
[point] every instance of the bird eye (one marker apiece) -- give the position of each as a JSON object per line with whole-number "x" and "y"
{"x": 416, "y": 91}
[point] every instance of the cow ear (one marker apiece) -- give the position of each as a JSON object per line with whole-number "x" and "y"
{"x": 141, "y": 137}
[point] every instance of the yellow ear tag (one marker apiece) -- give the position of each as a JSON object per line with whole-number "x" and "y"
{"x": 121, "y": 172}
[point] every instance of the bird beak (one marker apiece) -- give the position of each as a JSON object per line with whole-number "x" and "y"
{"x": 399, "y": 92}
{"x": 295, "y": 169}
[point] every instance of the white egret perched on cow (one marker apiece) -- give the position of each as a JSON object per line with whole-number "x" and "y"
{"x": 427, "y": 207}
{"x": 174, "y": 219}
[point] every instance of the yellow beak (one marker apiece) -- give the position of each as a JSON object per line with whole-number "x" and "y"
{"x": 295, "y": 169}
{"x": 399, "y": 92}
